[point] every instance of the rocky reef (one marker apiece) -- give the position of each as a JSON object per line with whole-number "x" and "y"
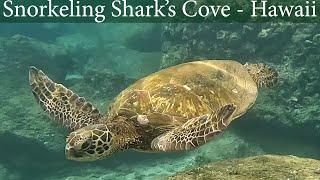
{"x": 257, "y": 167}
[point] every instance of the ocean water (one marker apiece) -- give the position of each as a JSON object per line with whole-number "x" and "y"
{"x": 98, "y": 61}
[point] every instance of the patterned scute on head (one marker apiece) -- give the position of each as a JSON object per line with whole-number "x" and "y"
{"x": 90, "y": 143}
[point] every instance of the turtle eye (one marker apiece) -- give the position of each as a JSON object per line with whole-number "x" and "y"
{"x": 85, "y": 145}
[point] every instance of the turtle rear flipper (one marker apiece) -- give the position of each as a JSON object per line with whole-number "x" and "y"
{"x": 195, "y": 132}
{"x": 60, "y": 103}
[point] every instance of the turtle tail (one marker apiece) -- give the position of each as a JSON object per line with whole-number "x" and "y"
{"x": 262, "y": 74}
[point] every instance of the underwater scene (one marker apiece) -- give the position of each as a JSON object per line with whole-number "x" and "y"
{"x": 155, "y": 107}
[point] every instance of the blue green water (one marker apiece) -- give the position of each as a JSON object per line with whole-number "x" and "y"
{"x": 97, "y": 61}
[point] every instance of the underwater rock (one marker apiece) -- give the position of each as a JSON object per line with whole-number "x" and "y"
{"x": 173, "y": 54}
{"x": 292, "y": 48}
{"x": 258, "y": 167}
{"x": 121, "y": 60}
{"x": 46, "y": 32}
{"x": 145, "y": 39}
{"x": 20, "y": 115}
{"x": 100, "y": 86}
{"x": 18, "y": 151}
{"x": 228, "y": 145}
{"x": 76, "y": 42}
{"x": 19, "y": 52}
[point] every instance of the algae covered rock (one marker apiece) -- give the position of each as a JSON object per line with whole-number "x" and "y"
{"x": 258, "y": 167}
{"x": 41, "y": 31}
{"x": 19, "y": 52}
{"x": 99, "y": 86}
{"x": 146, "y": 38}
{"x": 228, "y": 145}
{"x": 120, "y": 60}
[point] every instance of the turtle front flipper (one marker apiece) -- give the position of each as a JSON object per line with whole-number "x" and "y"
{"x": 60, "y": 103}
{"x": 195, "y": 131}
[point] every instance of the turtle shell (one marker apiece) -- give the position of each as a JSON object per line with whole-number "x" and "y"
{"x": 172, "y": 96}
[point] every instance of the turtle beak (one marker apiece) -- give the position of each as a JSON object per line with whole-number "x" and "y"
{"x": 73, "y": 154}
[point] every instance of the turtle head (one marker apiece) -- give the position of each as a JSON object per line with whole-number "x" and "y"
{"x": 90, "y": 143}
{"x": 262, "y": 74}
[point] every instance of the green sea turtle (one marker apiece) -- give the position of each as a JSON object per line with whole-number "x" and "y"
{"x": 174, "y": 109}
